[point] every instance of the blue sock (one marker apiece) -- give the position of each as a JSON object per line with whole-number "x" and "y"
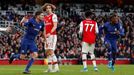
{"x": 109, "y": 56}
{"x": 29, "y": 64}
{"x": 16, "y": 56}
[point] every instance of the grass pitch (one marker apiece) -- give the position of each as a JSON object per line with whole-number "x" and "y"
{"x": 67, "y": 70}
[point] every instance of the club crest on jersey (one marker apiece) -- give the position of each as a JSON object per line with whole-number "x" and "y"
{"x": 115, "y": 29}
{"x": 33, "y": 25}
{"x": 49, "y": 18}
{"x": 40, "y": 26}
{"x": 46, "y": 20}
{"x": 22, "y": 51}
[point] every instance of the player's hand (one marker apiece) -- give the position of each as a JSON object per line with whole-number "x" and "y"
{"x": 117, "y": 32}
{"x": 47, "y": 35}
{"x": 44, "y": 39}
{"x": 9, "y": 29}
{"x": 24, "y": 19}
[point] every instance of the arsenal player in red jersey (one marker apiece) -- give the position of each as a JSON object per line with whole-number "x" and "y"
{"x": 88, "y": 29}
{"x": 50, "y": 21}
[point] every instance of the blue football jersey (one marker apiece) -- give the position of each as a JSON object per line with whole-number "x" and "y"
{"x": 32, "y": 29}
{"x": 110, "y": 30}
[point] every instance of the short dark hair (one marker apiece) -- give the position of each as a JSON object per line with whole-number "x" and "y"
{"x": 38, "y": 13}
{"x": 88, "y": 14}
{"x": 112, "y": 15}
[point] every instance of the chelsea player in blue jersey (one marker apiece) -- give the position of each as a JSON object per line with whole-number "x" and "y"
{"x": 112, "y": 31}
{"x": 33, "y": 27}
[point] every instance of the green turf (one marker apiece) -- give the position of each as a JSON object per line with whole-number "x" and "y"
{"x": 67, "y": 70}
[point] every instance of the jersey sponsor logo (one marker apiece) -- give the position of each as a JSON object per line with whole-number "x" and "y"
{"x": 36, "y": 29}
{"x": 48, "y": 24}
{"x": 49, "y": 18}
{"x": 46, "y": 20}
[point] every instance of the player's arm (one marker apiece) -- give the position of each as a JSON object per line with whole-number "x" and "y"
{"x": 55, "y": 22}
{"x": 44, "y": 34}
{"x": 7, "y": 29}
{"x": 42, "y": 28}
{"x": 120, "y": 30}
{"x": 3, "y": 29}
{"x": 102, "y": 29}
{"x": 81, "y": 28}
{"x": 24, "y": 21}
{"x": 96, "y": 29}
{"x": 42, "y": 31}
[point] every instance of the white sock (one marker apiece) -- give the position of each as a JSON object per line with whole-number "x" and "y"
{"x": 84, "y": 58}
{"x": 55, "y": 60}
{"x": 94, "y": 63}
{"x": 110, "y": 61}
{"x": 50, "y": 61}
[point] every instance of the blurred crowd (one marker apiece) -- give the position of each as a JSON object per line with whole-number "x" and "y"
{"x": 69, "y": 41}
{"x": 69, "y": 44}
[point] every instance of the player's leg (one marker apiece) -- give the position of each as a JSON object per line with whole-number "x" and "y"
{"x": 84, "y": 56}
{"x": 113, "y": 61}
{"x": 114, "y": 53}
{"x": 34, "y": 55}
{"x": 21, "y": 54}
{"x": 55, "y": 62}
{"x": 49, "y": 57}
{"x": 48, "y": 54}
{"x": 109, "y": 49}
{"x": 114, "y": 58}
{"x": 91, "y": 50}
{"x": 54, "y": 58}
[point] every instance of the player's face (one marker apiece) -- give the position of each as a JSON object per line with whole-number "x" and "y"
{"x": 48, "y": 9}
{"x": 115, "y": 20}
{"x": 41, "y": 16}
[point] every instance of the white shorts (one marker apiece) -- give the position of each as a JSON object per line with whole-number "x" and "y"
{"x": 50, "y": 42}
{"x": 86, "y": 47}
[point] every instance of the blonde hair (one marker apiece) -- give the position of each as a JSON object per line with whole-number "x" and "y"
{"x": 48, "y": 4}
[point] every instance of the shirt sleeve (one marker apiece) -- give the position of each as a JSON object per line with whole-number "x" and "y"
{"x": 96, "y": 28}
{"x": 104, "y": 27}
{"x": 3, "y": 29}
{"x": 54, "y": 18}
{"x": 81, "y": 28}
{"x": 121, "y": 30}
{"x": 42, "y": 28}
{"x": 29, "y": 23}
{"x": 26, "y": 24}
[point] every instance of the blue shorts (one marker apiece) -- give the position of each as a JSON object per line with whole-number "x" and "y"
{"x": 111, "y": 45}
{"x": 28, "y": 45}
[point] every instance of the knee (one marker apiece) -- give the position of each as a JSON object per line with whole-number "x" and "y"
{"x": 84, "y": 56}
{"x": 92, "y": 57}
{"x": 22, "y": 56}
{"x": 49, "y": 52}
{"x": 108, "y": 45}
{"x": 35, "y": 55}
{"x": 114, "y": 54}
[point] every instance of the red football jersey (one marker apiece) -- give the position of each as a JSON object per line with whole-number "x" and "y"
{"x": 89, "y": 29}
{"x": 49, "y": 19}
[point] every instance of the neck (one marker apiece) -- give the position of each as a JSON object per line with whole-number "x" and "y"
{"x": 88, "y": 18}
{"x": 50, "y": 13}
{"x": 112, "y": 23}
{"x": 37, "y": 20}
